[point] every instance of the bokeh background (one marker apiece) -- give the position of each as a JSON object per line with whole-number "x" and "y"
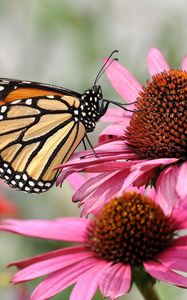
{"x": 63, "y": 42}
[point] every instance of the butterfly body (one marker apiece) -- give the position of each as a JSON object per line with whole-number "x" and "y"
{"x": 41, "y": 125}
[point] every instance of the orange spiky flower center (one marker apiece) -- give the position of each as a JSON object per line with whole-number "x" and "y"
{"x": 158, "y": 127}
{"x": 130, "y": 229}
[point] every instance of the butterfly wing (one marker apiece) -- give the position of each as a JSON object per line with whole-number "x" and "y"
{"x": 12, "y": 89}
{"x": 36, "y": 134}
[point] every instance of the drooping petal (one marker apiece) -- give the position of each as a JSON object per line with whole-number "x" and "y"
{"x": 85, "y": 165}
{"x": 167, "y": 196}
{"x": 181, "y": 186}
{"x": 50, "y": 265}
{"x": 123, "y": 82}
{"x": 89, "y": 282}
{"x": 116, "y": 281}
{"x": 76, "y": 180}
{"x": 107, "y": 181}
{"x": 130, "y": 178}
{"x": 163, "y": 273}
{"x": 58, "y": 281}
{"x": 156, "y": 62}
{"x": 65, "y": 229}
{"x": 90, "y": 186}
{"x": 103, "y": 193}
{"x": 184, "y": 64}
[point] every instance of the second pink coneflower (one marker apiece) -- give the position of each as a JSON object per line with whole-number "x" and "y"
{"x": 132, "y": 238}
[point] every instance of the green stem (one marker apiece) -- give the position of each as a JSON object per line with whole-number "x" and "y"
{"x": 148, "y": 291}
{"x": 145, "y": 283}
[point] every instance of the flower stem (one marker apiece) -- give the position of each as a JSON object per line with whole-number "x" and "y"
{"x": 148, "y": 291}
{"x": 145, "y": 283}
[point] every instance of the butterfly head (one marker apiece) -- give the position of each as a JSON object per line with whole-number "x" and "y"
{"x": 92, "y": 95}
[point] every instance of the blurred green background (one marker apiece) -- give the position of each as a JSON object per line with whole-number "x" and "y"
{"x": 63, "y": 43}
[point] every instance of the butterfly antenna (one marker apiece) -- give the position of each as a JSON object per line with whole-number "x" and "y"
{"x": 122, "y": 105}
{"x": 106, "y": 65}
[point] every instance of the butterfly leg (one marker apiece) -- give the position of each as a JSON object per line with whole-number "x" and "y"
{"x": 85, "y": 148}
{"x": 90, "y": 144}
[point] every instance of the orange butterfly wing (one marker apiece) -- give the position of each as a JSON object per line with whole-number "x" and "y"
{"x": 37, "y": 132}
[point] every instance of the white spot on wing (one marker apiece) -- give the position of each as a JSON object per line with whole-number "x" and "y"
{"x": 16, "y": 101}
{"x": 28, "y": 101}
{"x": 31, "y": 183}
{"x": 3, "y": 108}
{"x": 1, "y": 88}
{"x": 24, "y": 176}
{"x": 5, "y": 81}
{"x": 25, "y": 81}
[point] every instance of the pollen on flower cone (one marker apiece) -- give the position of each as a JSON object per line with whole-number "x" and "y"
{"x": 158, "y": 127}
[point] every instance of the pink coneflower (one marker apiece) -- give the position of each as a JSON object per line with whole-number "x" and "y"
{"x": 140, "y": 148}
{"x": 132, "y": 238}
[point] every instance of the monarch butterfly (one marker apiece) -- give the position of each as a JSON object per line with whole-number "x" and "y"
{"x": 41, "y": 125}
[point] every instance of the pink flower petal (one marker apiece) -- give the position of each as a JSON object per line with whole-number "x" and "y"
{"x": 76, "y": 180}
{"x": 111, "y": 167}
{"x": 184, "y": 64}
{"x": 144, "y": 177}
{"x": 116, "y": 281}
{"x": 174, "y": 258}
{"x": 111, "y": 132}
{"x": 103, "y": 182}
{"x": 181, "y": 186}
{"x": 89, "y": 282}
{"x": 181, "y": 241}
{"x": 166, "y": 195}
{"x": 116, "y": 115}
{"x": 89, "y": 186}
{"x": 105, "y": 152}
{"x": 163, "y": 273}
{"x": 103, "y": 193}
{"x": 156, "y": 62}
{"x": 20, "y": 264}
{"x": 58, "y": 281}
{"x": 130, "y": 178}
{"x": 66, "y": 229}
{"x": 50, "y": 265}
{"x": 146, "y": 165}
{"x": 181, "y": 219}
{"x": 123, "y": 82}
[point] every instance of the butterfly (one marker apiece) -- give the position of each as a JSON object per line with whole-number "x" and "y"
{"x": 41, "y": 125}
